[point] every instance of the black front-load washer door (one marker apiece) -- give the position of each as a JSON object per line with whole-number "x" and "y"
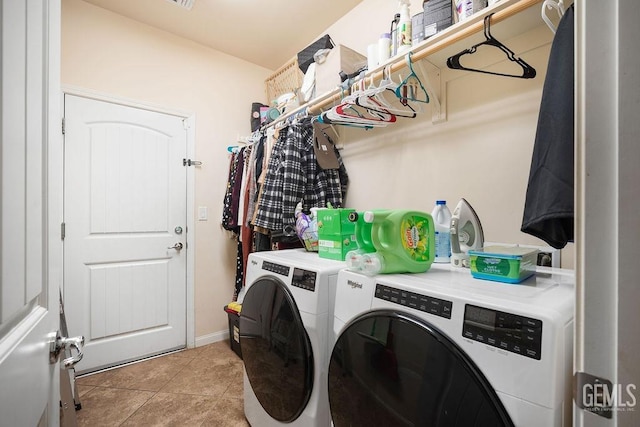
{"x": 276, "y": 350}
{"x": 393, "y": 369}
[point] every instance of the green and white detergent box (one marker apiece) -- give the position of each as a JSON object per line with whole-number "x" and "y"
{"x": 336, "y": 234}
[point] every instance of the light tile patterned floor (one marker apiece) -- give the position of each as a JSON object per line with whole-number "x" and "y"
{"x": 197, "y": 387}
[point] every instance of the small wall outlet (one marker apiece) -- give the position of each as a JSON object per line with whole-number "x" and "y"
{"x": 547, "y": 256}
{"x": 545, "y": 259}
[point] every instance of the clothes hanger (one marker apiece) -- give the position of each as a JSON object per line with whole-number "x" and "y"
{"x": 558, "y": 6}
{"x": 411, "y": 88}
{"x": 355, "y": 115}
{"x": 350, "y": 109}
{"x": 348, "y": 112}
{"x": 388, "y": 96}
{"x": 241, "y": 142}
{"x": 296, "y": 118}
{"x": 359, "y": 98}
{"x": 373, "y": 98}
{"x": 326, "y": 119}
{"x": 351, "y": 115}
{"x": 528, "y": 72}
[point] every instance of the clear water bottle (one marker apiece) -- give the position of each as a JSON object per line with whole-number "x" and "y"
{"x": 442, "y": 225}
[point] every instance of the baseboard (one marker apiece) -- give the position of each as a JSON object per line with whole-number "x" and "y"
{"x": 211, "y": 338}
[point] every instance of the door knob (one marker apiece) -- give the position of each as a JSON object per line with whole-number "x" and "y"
{"x": 178, "y": 246}
{"x": 60, "y": 344}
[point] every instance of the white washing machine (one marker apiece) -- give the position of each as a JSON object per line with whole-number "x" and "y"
{"x": 286, "y": 319}
{"x": 444, "y": 349}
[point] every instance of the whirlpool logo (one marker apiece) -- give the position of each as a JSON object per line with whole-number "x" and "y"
{"x": 354, "y": 284}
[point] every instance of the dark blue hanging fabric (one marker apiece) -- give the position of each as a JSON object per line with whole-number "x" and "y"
{"x": 549, "y": 210}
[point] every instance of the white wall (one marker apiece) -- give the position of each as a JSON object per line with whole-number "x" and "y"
{"x": 482, "y": 152}
{"x": 113, "y": 55}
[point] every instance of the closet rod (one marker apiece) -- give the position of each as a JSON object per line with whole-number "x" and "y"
{"x": 319, "y": 104}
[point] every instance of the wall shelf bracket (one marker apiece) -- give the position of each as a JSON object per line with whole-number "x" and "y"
{"x": 436, "y": 88}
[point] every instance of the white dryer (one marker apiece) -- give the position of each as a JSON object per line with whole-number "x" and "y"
{"x": 286, "y": 319}
{"x": 444, "y": 349}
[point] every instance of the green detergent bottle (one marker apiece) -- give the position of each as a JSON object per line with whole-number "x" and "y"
{"x": 404, "y": 241}
{"x": 354, "y": 259}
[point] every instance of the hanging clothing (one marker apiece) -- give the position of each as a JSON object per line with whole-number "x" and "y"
{"x": 235, "y": 209}
{"x": 239, "y": 272}
{"x": 266, "y": 181}
{"x": 246, "y": 232}
{"x": 246, "y": 172}
{"x": 235, "y": 191}
{"x": 549, "y": 210}
{"x": 268, "y": 212}
{"x": 255, "y": 166}
{"x": 293, "y": 175}
{"x": 228, "y": 222}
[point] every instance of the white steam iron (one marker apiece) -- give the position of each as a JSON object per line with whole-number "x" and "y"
{"x": 466, "y": 233}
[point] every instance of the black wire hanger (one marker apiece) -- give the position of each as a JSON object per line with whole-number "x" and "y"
{"x": 528, "y": 72}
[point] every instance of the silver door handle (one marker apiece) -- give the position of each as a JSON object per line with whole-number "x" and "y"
{"x": 178, "y": 246}
{"x": 60, "y": 344}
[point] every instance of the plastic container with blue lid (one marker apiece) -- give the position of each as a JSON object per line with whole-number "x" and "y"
{"x": 507, "y": 264}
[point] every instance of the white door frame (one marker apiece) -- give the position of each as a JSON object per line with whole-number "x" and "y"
{"x": 607, "y": 201}
{"x": 190, "y": 125}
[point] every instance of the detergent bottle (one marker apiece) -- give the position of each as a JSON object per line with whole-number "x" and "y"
{"x": 404, "y": 27}
{"x": 404, "y": 242}
{"x": 354, "y": 259}
{"x": 442, "y": 221}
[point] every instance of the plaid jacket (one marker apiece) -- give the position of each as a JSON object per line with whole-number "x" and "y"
{"x": 293, "y": 176}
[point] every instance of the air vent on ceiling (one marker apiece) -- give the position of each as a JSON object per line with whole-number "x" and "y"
{"x": 187, "y": 4}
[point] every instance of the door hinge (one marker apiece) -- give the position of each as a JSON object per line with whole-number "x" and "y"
{"x": 63, "y": 125}
{"x": 189, "y": 162}
{"x": 62, "y": 230}
{"x": 186, "y": 124}
{"x": 594, "y": 394}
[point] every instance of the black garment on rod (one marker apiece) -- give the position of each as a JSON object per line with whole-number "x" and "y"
{"x": 232, "y": 193}
{"x": 549, "y": 210}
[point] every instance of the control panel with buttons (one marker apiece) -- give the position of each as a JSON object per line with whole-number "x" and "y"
{"x": 510, "y": 332}
{"x": 425, "y": 303}
{"x": 283, "y": 270}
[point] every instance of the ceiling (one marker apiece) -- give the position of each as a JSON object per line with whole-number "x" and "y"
{"x": 266, "y": 33}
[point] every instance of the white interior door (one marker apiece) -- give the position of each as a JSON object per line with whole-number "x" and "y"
{"x": 124, "y": 212}
{"x": 29, "y": 219}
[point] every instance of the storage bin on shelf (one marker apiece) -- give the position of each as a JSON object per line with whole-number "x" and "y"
{"x": 286, "y": 79}
{"x": 340, "y": 58}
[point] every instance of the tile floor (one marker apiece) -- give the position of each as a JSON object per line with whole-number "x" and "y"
{"x": 195, "y": 387}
